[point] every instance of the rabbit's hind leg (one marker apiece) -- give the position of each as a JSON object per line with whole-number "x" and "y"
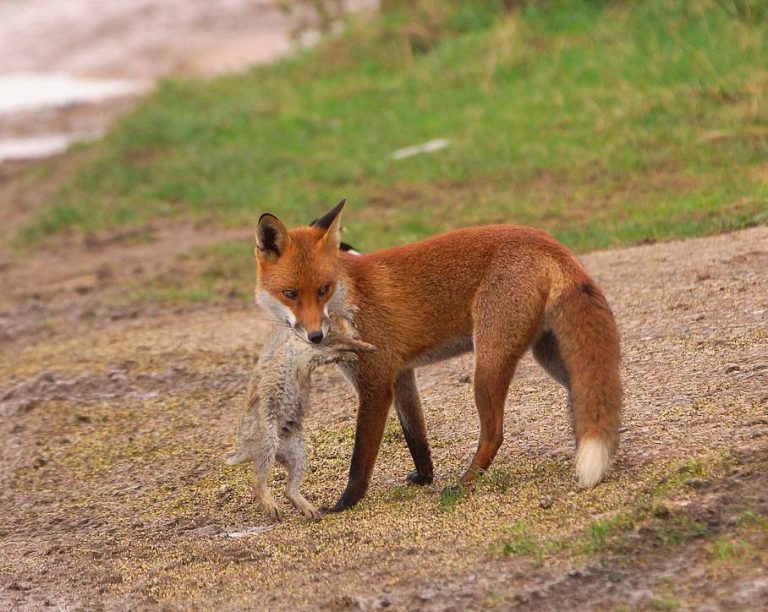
{"x": 293, "y": 454}
{"x": 263, "y": 460}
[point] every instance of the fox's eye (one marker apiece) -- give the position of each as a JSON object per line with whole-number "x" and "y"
{"x": 323, "y": 290}
{"x": 290, "y": 294}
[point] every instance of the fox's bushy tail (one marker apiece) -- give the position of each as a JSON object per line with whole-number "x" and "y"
{"x": 588, "y": 343}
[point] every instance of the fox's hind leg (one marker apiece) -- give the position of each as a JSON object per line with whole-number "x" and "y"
{"x": 547, "y": 353}
{"x": 293, "y": 454}
{"x": 491, "y": 385}
{"x": 505, "y": 326}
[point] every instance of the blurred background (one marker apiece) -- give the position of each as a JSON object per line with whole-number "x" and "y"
{"x": 68, "y": 67}
{"x": 606, "y": 123}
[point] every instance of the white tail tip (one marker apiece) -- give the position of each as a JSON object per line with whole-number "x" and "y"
{"x": 592, "y": 460}
{"x": 235, "y": 459}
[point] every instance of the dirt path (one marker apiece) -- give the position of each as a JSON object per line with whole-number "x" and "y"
{"x": 113, "y": 492}
{"x": 137, "y": 42}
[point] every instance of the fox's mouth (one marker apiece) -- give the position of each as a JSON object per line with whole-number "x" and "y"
{"x": 312, "y": 338}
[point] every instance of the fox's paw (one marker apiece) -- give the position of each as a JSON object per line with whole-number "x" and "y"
{"x": 419, "y": 479}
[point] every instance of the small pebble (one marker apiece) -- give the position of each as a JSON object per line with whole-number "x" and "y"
{"x": 426, "y": 595}
{"x": 205, "y": 531}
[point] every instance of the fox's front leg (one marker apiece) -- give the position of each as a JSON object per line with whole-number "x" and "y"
{"x": 411, "y": 416}
{"x": 375, "y": 400}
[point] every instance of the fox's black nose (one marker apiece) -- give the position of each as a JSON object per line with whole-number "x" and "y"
{"x": 315, "y": 336}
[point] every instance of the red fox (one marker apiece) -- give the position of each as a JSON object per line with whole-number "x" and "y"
{"x": 497, "y": 289}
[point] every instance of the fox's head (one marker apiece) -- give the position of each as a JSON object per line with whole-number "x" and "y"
{"x": 297, "y": 272}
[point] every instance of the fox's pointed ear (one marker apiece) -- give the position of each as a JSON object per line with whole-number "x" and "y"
{"x": 327, "y": 219}
{"x": 331, "y": 223}
{"x": 271, "y": 237}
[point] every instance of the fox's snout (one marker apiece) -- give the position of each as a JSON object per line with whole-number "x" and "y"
{"x": 316, "y": 337}
{"x": 314, "y": 332}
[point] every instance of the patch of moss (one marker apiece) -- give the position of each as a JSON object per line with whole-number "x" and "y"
{"x": 665, "y": 603}
{"x": 393, "y": 433}
{"x": 403, "y": 493}
{"x": 523, "y": 542}
{"x": 451, "y": 496}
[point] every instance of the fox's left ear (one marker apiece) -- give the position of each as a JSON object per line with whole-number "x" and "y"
{"x": 271, "y": 237}
{"x": 331, "y": 223}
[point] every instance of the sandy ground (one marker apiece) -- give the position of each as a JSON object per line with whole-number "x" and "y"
{"x": 116, "y": 416}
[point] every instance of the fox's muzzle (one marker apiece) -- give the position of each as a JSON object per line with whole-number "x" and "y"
{"x": 314, "y": 336}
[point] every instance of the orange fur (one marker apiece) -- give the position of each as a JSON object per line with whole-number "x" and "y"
{"x": 498, "y": 289}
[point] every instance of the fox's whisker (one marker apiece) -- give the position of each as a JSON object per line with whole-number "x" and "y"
{"x": 272, "y": 319}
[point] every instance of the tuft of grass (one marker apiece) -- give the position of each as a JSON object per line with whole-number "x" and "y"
{"x": 604, "y": 123}
{"x": 688, "y": 470}
{"x": 497, "y": 479}
{"x": 617, "y": 533}
{"x": 678, "y": 530}
{"x": 451, "y": 496}
{"x": 600, "y": 532}
{"x": 523, "y": 542}
{"x": 665, "y": 603}
{"x": 724, "y": 550}
{"x": 649, "y": 514}
{"x": 750, "y": 517}
{"x": 401, "y": 493}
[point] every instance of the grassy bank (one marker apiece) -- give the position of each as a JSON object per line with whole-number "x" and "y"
{"x": 605, "y": 123}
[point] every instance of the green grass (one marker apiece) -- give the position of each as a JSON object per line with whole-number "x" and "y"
{"x": 664, "y": 527}
{"x": 451, "y": 496}
{"x": 600, "y": 532}
{"x": 522, "y": 542}
{"x": 665, "y": 603}
{"x": 648, "y": 513}
{"x": 605, "y": 123}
